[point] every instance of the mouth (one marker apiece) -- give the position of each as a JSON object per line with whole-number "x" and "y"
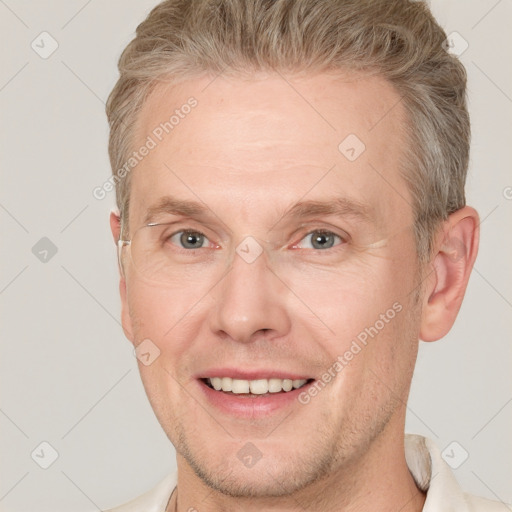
{"x": 256, "y": 387}
{"x": 250, "y": 393}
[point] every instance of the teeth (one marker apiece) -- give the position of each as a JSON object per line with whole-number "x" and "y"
{"x": 227, "y": 384}
{"x": 259, "y": 387}
{"x": 239, "y": 386}
{"x": 255, "y": 387}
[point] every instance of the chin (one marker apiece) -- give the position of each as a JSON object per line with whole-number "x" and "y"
{"x": 255, "y": 469}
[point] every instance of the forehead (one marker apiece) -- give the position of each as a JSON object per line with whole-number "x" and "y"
{"x": 258, "y": 145}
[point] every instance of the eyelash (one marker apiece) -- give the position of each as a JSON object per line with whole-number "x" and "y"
{"x": 343, "y": 240}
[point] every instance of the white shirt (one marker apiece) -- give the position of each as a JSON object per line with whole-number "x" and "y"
{"x": 430, "y": 472}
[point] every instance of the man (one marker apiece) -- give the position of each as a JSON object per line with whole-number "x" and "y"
{"x": 291, "y": 221}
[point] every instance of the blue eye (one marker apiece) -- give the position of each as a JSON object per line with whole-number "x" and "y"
{"x": 321, "y": 239}
{"x": 189, "y": 239}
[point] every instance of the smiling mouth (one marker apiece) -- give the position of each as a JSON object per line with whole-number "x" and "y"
{"x": 258, "y": 387}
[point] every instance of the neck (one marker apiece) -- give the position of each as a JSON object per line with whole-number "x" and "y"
{"x": 378, "y": 480}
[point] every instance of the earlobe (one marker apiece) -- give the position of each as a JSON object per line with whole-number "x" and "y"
{"x": 453, "y": 260}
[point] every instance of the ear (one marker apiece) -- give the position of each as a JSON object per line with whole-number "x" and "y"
{"x": 454, "y": 255}
{"x": 115, "y": 227}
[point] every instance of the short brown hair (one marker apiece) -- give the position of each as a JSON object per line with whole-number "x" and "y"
{"x": 398, "y": 39}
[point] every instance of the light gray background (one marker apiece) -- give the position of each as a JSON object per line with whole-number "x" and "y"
{"x": 68, "y": 375}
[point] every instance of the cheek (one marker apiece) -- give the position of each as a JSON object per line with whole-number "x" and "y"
{"x": 157, "y": 327}
{"x": 377, "y": 365}
{"x": 171, "y": 321}
{"x": 155, "y": 310}
{"x": 371, "y": 313}
{"x": 350, "y": 297}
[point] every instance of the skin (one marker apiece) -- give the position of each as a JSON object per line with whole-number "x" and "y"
{"x": 249, "y": 151}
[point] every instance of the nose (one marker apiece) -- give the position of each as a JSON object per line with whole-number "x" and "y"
{"x": 250, "y": 300}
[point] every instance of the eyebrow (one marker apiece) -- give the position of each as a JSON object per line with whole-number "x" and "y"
{"x": 175, "y": 206}
{"x": 337, "y": 206}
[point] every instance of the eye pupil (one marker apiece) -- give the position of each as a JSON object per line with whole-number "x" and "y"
{"x": 195, "y": 239}
{"x": 322, "y": 239}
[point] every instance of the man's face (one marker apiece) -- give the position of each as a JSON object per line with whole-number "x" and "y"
{"x": 248, "y": 152}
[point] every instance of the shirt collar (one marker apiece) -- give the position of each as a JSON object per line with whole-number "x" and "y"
{"x": 433, "y": 475}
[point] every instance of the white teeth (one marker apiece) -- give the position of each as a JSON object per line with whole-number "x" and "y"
{"x": 216, "y": 383}
{"x": 255, "y": 387}
{"x": 259, "y": 387}
{"x": 275, "y": 385}
{"x": 227, "y": 383}
{"x": 288, "y": 384}
{"x": 240, "y": 386}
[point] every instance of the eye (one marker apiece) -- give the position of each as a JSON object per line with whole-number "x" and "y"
{"x": 320, "y": 239}
{"x": 188, "y": 239}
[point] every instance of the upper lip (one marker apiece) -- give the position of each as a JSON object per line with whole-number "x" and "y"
{"x": 237, "y": 373}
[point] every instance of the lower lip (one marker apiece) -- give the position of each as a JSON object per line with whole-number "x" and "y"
{"x": 254, "y": 406}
